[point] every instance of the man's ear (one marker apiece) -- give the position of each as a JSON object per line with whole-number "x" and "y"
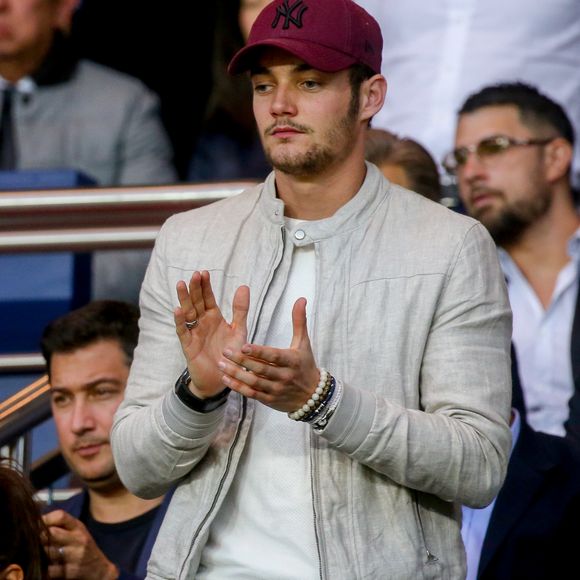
{"x": 558, "y": 159}
{"x": 373, "y": 93}
{"x": 64, "y": 11}
{"x": 12, "y": 572}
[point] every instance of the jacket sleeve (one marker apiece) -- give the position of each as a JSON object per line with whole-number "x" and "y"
{"x": 156, "y": 439}
{"x": 145, "y": 155}
{"x": 456, "y": 444}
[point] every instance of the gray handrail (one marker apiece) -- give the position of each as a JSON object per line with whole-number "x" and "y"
{"x": 99, "y": 218}
{"x": 22, "y": 362}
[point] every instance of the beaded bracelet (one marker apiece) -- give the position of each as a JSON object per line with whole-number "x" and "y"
{"x": 321, "y": 421}
{"x": 318, "y": 398}
{"x": 321, "y": 409}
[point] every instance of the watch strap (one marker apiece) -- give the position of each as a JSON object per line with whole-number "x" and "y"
{"x": 195, "y": 403}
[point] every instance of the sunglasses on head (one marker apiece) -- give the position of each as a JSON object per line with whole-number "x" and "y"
{"x": 486, "y": 148}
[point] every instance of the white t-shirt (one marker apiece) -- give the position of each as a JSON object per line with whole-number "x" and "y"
{"x": 265, "y": 527}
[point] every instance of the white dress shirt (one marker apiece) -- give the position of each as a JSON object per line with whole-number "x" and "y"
{"x": 475, "y": 521}
{"x": 437, "y": 53}
{"x": 542, "y": 342}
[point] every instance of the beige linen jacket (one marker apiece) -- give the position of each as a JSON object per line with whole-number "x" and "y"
{"x": 411, "y": 315}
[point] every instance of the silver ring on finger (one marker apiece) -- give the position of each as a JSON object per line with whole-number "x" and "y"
{"x": 61, "y": 553}
{"x": 192, "y": 324}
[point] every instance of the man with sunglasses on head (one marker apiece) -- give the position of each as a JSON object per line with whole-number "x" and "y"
{"x": 514, "y": 148}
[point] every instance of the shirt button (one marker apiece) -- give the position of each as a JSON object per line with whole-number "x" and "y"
{"x": 299, "y": 234}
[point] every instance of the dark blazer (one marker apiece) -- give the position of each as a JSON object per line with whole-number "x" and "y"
{"x": 74, "y": 506}
{"x": 534, "y": 530}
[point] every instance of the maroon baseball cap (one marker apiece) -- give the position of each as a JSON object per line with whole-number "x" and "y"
{"x": 328, "y": 35}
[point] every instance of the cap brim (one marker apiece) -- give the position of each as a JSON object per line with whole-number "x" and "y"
{"x": 315, "y": 55}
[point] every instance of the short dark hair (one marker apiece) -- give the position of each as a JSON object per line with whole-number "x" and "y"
{"x": 98, "y": 320}
{"x": 21, "y": 525}
{"x": 420, "y": 168}
{"x": 534, "y": 107}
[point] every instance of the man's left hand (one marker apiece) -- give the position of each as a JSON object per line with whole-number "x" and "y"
{"x": 283, "y": 379}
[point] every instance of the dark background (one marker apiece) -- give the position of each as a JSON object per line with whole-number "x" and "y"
{"x": 165, "y": 44}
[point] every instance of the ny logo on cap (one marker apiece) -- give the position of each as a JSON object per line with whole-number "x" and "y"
{"x": 285, "y": 11}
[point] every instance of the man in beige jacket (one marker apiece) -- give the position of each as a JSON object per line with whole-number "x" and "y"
{"x": 285, "y": 469}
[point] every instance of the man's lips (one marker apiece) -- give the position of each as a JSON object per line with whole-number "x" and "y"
{"x": 88, "y": 449}
{"x": 482, "y": 198}
{"x": 285, "y": 131}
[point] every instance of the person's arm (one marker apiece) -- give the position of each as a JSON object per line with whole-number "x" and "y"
{"x": 156, "y": 437}
{"x": 456, "y": 446}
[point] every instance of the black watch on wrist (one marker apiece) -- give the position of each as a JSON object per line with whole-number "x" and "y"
{"x": 190, "y": 400}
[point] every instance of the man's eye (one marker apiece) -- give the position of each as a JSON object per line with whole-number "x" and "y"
{"x": 103, "y": 393}
{"x": 59, "y": 400}
{"x": 261, "y": 88}
{"x": 491, "y": 147}
{"x": 310, "y": 84}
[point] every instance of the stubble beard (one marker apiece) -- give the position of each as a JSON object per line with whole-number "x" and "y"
{"x": 509, "y": 223}
{"x": 338, "y": 144}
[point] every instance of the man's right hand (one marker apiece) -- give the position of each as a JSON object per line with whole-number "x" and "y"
{"x": 204, "y": 344}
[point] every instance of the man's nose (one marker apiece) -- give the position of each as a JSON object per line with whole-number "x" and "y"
{"x": 83, "y": 419}
{"x": 283, "y": 103}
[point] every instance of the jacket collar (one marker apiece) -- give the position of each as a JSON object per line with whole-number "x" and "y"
{"x": 374, "y": 191}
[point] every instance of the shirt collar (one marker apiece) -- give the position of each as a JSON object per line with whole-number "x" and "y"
{"x": 24, "y": 86}
{"x": 509, "y": 267}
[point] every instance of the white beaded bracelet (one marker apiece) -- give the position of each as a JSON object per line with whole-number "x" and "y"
{"x": 315, "y": 400}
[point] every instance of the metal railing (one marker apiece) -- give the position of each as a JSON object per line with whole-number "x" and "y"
{"x": 94, "y": 219}
{"x": 78, "y": 220}
{"x": 19, "y": 414}
{"x": 99, "y": 218}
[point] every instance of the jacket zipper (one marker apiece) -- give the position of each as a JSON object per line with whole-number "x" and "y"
{"x": 430, "y": 556}
{"x": 314, "y": 465}
{"x": 219, "y": 488}
{"x": 315, "y": 496}
{"x": 231, "y": 450}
